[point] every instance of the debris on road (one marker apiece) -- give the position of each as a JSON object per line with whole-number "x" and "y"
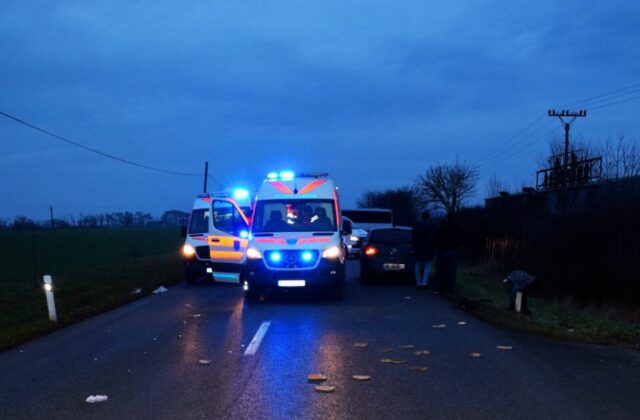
{"x": 386, "y": 350}
{"x": 137, "y": 291}
{"x": 96, "y": 398}
{"x": 317, "y": 377}
{"x": 204, "y": 361}
{"x": 407, "y": 297}
{"x": 475, "y": 354}
{"x": 406, "y": 346}
{"x": 392, "y": 361}
{"x": 160, "y": 289}
{"x": 361, "y": 377}
{"x": 187, "y": 305}
{"x": 197, "y": 315}
{"x": 361, "y": 345}
{"x": 419, "y": 368}
{"x": 504, "y": 348}
{"x": 462, "y": 323}
{"x": 325, "y": 388}
{"x": 439, "y": 326}
{"x": 422, "y": 353}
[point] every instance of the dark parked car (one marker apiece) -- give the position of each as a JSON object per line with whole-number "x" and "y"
{"x": 387, "y": 253}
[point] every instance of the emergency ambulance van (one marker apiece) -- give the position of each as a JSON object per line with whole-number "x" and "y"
{"x": 216, "y": 238}
{"x": 296, "y": 235}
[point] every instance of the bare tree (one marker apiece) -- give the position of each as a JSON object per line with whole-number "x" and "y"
{"x": 400, "y": 200}
{"x": 621, "y": 158}
{"x": 494, "y": 187}
{"x": 446, "y": 186}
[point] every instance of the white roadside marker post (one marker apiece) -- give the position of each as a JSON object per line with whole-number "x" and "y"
{"x": 51, "y": 303}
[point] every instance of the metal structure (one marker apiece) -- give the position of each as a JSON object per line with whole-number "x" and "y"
{"x": 566, "y": 125}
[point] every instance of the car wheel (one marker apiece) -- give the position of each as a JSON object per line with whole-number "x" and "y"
{"x": 336, "y": 292}
{"x": 191, "y": 278}
{"x": 365, "y": 275}
{"x": 252, "y": 295}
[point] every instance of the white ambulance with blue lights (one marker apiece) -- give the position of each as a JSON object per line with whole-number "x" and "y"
{"x": 216, "y": 237}
{"x": 296, "y": 235}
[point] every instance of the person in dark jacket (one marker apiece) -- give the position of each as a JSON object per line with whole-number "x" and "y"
{"x": 448, "y": 243}
{"x": 423, "y": 237}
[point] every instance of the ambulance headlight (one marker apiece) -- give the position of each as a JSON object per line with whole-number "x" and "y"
{"x": 253, "y": 254}
{"x": 188, "y": 251}
{"x": 244, "y": 234}
{"x": 332, "y": 252}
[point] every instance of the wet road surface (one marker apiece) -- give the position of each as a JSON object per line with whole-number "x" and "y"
{"x": 145, "y": 358}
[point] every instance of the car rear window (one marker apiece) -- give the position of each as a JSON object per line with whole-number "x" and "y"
{"x": 391, "y": 237}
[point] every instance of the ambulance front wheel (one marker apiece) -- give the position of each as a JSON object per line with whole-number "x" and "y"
{"x": 252, "y": 295}
{"x": 190, "y": 277}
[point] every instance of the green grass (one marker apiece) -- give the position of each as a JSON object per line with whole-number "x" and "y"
{"x": 93, "y": 270}
{"x": 487, "y": 299}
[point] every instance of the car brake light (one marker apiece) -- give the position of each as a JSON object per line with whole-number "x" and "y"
{"x": 370, "y": 251}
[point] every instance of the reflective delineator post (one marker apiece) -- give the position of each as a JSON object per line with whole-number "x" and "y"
{"x": 518, "y": 301}
{"x": 51, "y": 303}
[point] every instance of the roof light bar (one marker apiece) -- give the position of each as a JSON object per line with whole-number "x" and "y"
{"x": 281, "y": 176}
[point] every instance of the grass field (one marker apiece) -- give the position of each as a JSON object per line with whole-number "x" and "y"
{"x": 93, "y": 270}
{"x": 488, "y": 300}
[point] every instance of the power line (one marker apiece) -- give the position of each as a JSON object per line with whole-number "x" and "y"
{"x": 597, "y": 100}
{"x": 101, "y": 153}
{"x": 615, "y": 103}
{"x": 587, "y": 100}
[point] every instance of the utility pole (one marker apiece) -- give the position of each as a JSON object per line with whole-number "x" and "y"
{"x": 53, "y": 223}
{"x": 206, "y": 175}
{"x": 566, "y": 125}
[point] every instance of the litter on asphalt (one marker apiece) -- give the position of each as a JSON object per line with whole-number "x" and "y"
{"x": 137, "y": 291}
{"x": 160, "y": 289}
{"x": 96, "y": 398}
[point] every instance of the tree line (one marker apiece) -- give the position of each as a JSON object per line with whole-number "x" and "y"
{"x": 126, "y": 219}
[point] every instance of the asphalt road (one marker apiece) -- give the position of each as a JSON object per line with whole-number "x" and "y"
{"x": 145, "y": 358}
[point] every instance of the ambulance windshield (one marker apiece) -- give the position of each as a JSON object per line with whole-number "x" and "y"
{"x": 294, "y": 216}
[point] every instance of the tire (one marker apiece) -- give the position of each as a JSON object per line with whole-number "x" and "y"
{"x": 252, "y": 295}
{"x": 336, "y": 292}
{"x": 191, "y": 279}
{"x": 365, "y": 275}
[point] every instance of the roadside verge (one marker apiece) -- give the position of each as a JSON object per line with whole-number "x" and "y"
{"x": 488, "y": 300}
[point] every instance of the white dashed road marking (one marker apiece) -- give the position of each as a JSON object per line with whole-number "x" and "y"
{"x": 253, "y": 346}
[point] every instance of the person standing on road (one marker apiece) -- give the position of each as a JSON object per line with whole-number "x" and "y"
{"x": 422, "y": 241}
{"x": 448, "y": 243}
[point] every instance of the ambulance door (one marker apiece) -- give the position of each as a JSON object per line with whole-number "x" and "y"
{"x": 227, "y": 246}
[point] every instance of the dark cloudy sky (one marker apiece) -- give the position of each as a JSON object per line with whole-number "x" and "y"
{"x": 373, "y": 92}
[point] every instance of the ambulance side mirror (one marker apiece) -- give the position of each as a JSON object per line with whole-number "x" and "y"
{"x": 347, "y": 229}
{"x": 183, "y": 231}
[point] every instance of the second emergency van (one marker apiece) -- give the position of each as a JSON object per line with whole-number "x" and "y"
{"x": 296, "y": 237}
{"x": 216, "y": 237}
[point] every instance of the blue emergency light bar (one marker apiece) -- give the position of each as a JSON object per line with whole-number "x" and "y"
{"x": 240, "y": 194}
{"x": 282, "y": 176}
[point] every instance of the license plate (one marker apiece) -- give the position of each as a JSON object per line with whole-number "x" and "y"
{"x": 291, "y": 283}
{"x": 393, "y": 267}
